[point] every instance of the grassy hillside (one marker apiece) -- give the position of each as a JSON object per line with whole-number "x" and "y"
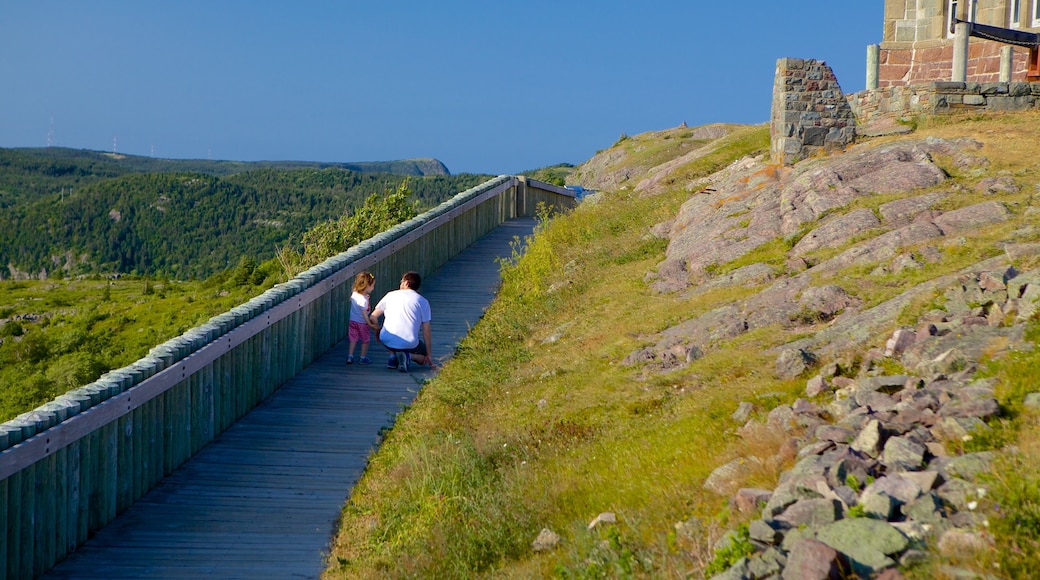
{"x": 537, "y": 423}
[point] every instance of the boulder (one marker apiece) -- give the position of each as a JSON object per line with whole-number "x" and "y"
{"x": 726, "y": 478}
{"x": 767, "y": 564}
{"x": 869, "y": 543}
{"x": 833, "y": 433}
{"x": 743, "y": 412}
{"x": 886, "y": 384}
{"x": 973, "y": 217}
{"x": 765, "y": 532}
{"x": 738, "y": 571}
{"x": 813, "y": 513}
{"x": 897, "y": 486}
{"x": 925, "y": 509}
{"x": 991, "y": 185}
{"x": 900, "y": 340}
{"x": 546, "y": 540}
{"x": 957, "y": 493}
{"x": 902, "y": 454}
{"x": 925, "y": 480}
{"x": 836, "y": 231}
{"x": 1032, "y": 401}
{"x": 816, "y": 386}
{"x": 603, "y": 518}
{"x": 903, "y": 211}
{"x": 981, "y": 408}
{"x": 878, "y": 505}
{"x": 969, "y": 465}
{"x": 870, "y": 440}
{"x": 750, "y": 499}
{"x": 810, "y": 559}
{"x": 824, "y": 302}
{"x": 793, "y": 362}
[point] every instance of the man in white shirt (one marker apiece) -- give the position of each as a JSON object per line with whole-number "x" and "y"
{"x": 405, "y": 314}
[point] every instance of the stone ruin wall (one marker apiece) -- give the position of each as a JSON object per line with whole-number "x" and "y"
{"x": 810, "y": 113}
{"x": 938, "y": 98}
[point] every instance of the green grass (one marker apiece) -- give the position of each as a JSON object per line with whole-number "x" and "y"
{"x": 536, "y": 424}
{"x": 69, "y": 332}
{"x": 518, "y": 433}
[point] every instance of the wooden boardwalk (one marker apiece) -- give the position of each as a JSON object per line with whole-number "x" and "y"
{"x": 262, "y": 500}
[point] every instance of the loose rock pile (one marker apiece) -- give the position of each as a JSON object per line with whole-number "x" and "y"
{"x": 874, "y": 482}
{"x": 873, "y": 486}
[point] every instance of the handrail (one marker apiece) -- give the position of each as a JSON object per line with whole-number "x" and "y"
{"x": 62, "y": 434}
{"x": 296, "y": 320}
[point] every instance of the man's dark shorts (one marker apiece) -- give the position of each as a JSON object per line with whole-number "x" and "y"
{"x": 418, "y": 349}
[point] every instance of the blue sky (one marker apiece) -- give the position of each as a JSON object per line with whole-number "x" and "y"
{"x": 486, "y": 87}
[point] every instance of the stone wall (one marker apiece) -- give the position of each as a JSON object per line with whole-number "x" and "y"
{"x": 810, "y": 114}
{"x": 943, "y": 98}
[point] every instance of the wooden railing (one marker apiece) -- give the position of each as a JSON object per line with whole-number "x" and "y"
{"x": 71, "y": 466}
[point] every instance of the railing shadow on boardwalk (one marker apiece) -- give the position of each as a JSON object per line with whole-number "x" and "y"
{"x": 69, "y": 468}
{"x": 262, "y": 500}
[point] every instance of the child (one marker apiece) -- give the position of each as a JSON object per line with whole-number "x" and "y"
{"x": 359, "y": 325}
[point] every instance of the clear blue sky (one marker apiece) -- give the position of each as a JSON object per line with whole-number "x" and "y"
{"x": 484, "y": 86}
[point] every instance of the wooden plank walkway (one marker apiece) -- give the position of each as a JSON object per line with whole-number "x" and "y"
{"x": 262, "y": 500}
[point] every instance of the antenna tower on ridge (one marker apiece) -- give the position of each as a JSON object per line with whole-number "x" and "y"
{"x": 50, "y": 133}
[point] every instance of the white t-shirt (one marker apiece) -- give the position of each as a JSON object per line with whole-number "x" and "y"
{"x": 359, "y": 308}
{"x": 404, "y": 312}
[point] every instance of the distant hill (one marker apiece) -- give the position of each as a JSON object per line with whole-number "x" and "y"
{"x": 107, "y": 219}
{"x": 29, "y": 172}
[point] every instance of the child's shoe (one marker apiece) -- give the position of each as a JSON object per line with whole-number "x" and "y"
{"x": 392, "y": 363}
{"x": 402, "y": 362}
{"x": 364, "y": 361}
{"x": 350, "y": 359}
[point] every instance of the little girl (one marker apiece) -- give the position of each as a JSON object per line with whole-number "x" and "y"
{"x": 359, "y": 325}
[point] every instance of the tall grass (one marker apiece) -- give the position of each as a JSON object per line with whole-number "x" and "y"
{"x": 537, "y": 424}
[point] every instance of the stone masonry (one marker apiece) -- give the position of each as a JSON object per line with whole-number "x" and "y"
{"x": 938, "y": 98}
{"x": 810, "y": 114}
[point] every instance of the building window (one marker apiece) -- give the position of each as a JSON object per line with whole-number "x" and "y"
{"x": 951, "y": 11}
{"x": 1015, "y": 20}
{"x": 1036, "y": 14}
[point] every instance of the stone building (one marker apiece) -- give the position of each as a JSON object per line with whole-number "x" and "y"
{"x": 918, "y": 40}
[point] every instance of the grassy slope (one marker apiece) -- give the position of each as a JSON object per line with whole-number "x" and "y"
{"x": 535, "y": 424}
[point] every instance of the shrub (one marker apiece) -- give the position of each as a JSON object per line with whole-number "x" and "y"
{"x": 739, "y": 546}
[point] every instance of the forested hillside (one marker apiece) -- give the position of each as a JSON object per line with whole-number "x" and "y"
{"x": 178, "y": 224}
{"x": 27, "y": 173}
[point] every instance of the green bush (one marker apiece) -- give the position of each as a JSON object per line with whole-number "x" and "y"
{"x": 378, "y": 214}
{"x": 739, "y": 546}
{"x": 12, "y": 328}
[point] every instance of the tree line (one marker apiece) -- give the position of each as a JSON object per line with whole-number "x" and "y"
{"x": 188, "y": 225}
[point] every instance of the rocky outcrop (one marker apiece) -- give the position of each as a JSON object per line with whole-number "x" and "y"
{"x": 978, "y": 309}
{"x": 758, "y": 203}
{"x": 619, "y": 167}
